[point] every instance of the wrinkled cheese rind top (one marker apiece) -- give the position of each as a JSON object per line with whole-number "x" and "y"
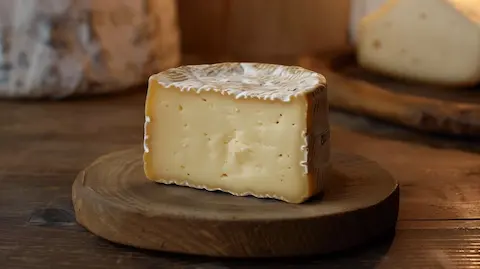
{"x": 243, "y": 80}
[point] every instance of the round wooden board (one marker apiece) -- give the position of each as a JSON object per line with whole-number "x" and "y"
{"x": 114, "y": 200}
{"x": 451, "y": 111}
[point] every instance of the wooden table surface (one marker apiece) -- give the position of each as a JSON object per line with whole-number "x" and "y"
{"x": 44, "y": 144}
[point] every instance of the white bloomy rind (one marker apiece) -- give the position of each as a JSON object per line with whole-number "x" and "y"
{"x": 145, "y": 135}
{"x": 243, "y": 80}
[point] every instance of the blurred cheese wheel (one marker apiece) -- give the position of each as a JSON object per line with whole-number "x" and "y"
{"x": 60, "y": 48}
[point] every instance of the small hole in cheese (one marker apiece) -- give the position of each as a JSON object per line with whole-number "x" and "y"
{"x": 188, "y": 174}
{"x": 280, "y": 155}
{"x": 224, "y": 175}
{"x": 277, "y": 122}
{"x": 204, "y": 99}
{"x": 180, "y": 107}
{"x": 182, "y": 166}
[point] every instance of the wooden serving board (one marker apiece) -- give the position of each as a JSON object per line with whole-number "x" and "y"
{"x": 114, "y": 200}
{"x": 451, "y": 111}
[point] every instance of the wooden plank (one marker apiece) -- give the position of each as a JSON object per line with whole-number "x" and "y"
{"x": 62, "y": 137}
{"x": 35, "y": 246}
{"x": 203, "y": 25}
{"x": 285, "y": 27}
{"x": 366, "y": 126}
{"x": 435, "y": 183}
{"x": 438, "y": 224}
{"x": 22, "y": 196}
{"x": 255, "y": 29}
{"x": 65, "y": 155}
{"x": 38, "y": 231}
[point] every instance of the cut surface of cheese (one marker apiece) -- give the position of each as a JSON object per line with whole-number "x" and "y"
{"x": 61, "y": 48}
{"x": 241, "y": 128}
{"x": 431, "y": 41}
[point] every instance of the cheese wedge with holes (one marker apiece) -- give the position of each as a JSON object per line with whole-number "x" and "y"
{"x": 241, "y": 128}
{"x": 431, "y": 41}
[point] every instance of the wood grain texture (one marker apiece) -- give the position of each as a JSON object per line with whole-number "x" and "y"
{"x": 422, "y": 107}
{"x": 252, "y": 29}
{"x": 24, "y": 247}
{"x": 60, "y": 137}
{"x": 114, "y": 200}
{"x": 37, "y": 233}
{"x": 437, "y": 184}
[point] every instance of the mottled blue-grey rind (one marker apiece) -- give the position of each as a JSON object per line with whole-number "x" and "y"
{"x": 59, "y": 48}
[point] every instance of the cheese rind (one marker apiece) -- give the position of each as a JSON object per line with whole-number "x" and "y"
{"x": 431, "y": 41}
{"x": 243, "y": 80}
{"x": 241, "y": 128}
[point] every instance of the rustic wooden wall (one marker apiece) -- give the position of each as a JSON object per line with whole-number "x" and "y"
{"x": 254, "y": 28}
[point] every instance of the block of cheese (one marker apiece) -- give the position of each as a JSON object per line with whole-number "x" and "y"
{"x": 241, "y": 128}
{"x": 430, "y": 41}
{"x": 60, "y": 48}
